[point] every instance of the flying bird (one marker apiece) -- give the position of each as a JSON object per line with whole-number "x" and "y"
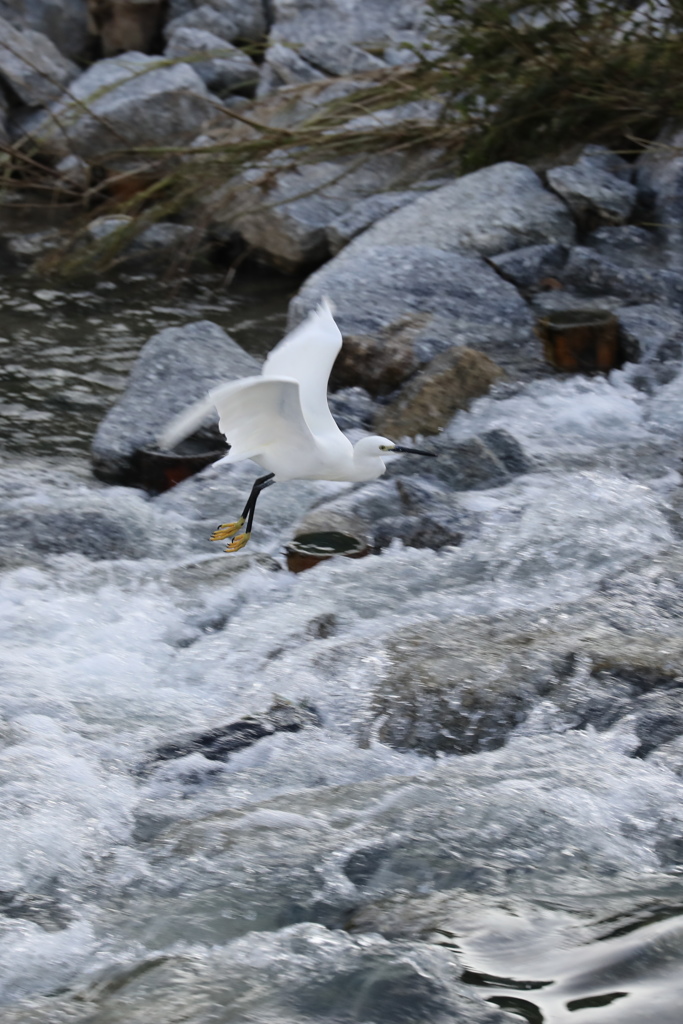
{"x": 281, "y": 420}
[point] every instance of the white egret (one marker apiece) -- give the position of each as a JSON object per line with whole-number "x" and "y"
{"x": 282, "y": 421}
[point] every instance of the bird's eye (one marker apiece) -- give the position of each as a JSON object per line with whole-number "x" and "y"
{"x": 384, "y": 448}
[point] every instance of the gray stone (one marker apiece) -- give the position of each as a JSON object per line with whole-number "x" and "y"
{"x": 225, "y": 68}
{"x": 348, "y": 21}
{"x": 230, "y": 19}
{"x": 530, "y": 266}
{"x": 65, "y": 22}
{"x": 284, "y": 66}
{"x": 650, "y": 332}
{"x": 442, "y": 298}
{"x": 606, "y": 160}
{"x": 124, "y": 102}
{"x": 362, "y": 214}
{"x": 338, "y": 58}
{"x": 427, "y": 403}
{"x": 32, "y": 66}
{"x": 176, "y": 367}
{"x": 490, "y": 211}
{"x": 283, "y": 207}
{"x": 588, "y": 273}
{"x": 588, "y": 189}
{"x": 628, "y": 245}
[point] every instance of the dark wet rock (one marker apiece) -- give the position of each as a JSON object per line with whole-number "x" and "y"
{"x": 435, "y": 529}
{"x": 532, "y": 265}
{"x": 224, "y": 68}
{"x": 408, "y": 304}
{"x": 592, "y": 189}
{"x": 627, "y": 245}
{"x": 484, "y": 213}
{"x": 219, "y": 743}
{"x": 508, "y": 449}
{"x": 659, "y": 719}
{"x": 650, "y": 332}
{"x": 230, "y": 19}
{"x": 176, "y": 367}
{"x": 362, "y": 214}
{"x": 470, "y": 465}
{"x": 122, "y": 103}
{"x": 589, "y": 273}
{"x": 417, "y": 512}
{"x": 352, "y": 408}
{"x": 451, "y": 381}
{"x": 32, "y": 66}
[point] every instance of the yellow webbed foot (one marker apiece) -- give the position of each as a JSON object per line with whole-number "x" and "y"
{"x": 227, "y": 530}
{"x": 240, "y": 540}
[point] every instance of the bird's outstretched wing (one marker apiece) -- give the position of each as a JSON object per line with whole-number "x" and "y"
{"x": 260, "y": 415}
{"x": 306, "y": 355}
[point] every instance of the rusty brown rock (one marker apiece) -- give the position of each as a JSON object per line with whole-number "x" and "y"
{"x": 448, "y": 383}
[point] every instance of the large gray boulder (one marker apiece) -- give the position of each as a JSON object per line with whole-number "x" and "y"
{"x": 493, "y": 210}
{"x": 121, "y": 103}
{"x": 65, "y": 22}
{"x": 450, "y": 298}
{"x": 222, "y": 66}
{"x": 283, "y": 208}
{"x": 32, "y": 66}
{"x": 176, "y": 367}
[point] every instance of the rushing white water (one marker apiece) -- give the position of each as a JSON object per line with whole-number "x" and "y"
{"x": 202, "y": 890}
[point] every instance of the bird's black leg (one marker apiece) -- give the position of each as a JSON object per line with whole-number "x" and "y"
{"x": 231, "y": 529}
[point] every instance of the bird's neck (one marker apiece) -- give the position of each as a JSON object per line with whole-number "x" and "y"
{"x": 367, "y": 467}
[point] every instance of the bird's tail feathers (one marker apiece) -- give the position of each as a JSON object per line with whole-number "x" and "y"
{"x": 185, "y": 423}
{"x": 326, "y": 305}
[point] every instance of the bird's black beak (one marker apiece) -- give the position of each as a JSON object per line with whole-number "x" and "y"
{"x": 412, "y": 451}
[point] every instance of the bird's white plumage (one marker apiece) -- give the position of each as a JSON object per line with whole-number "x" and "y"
{"x": 307, "y": 355}
{"x": 281, "y": 419}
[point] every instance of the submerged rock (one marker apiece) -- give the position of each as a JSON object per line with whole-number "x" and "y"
{"x": 218, "y": 743}
{"x": 176, "y": 367}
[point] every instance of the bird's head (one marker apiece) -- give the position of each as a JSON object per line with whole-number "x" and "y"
{"x": 381, "y": 446}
